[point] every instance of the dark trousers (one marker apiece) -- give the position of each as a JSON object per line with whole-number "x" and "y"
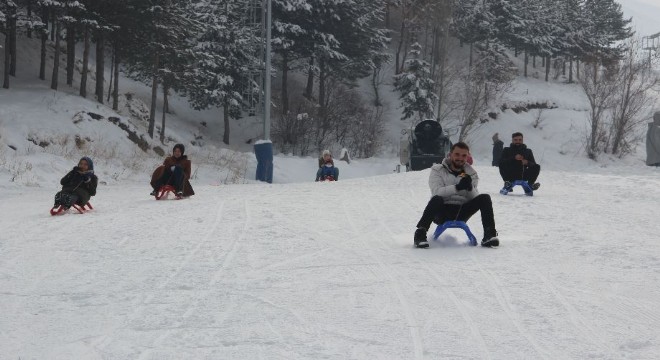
{"x": 174, "y": 178}
{"x": 436, "y": 210}
{"x": 517, "y": 171}
{"x": 67, "y": 199}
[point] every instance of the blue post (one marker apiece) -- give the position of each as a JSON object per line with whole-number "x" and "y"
{"x": 263, "y": 149}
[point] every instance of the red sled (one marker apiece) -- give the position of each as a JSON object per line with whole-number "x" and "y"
{"x": 166, "y": 189}
{"x": 61, "y": 210}
{"x": 328, "y": 178}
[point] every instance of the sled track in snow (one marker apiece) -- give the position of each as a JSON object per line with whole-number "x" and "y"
{"x": 414, "y": 327}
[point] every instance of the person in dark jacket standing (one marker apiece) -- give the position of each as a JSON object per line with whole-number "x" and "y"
{"x": 498, "y": 146}
{"x": 175, "y": 171}
{"x": 517, "y": 163}
{"x": 78, "y": 186}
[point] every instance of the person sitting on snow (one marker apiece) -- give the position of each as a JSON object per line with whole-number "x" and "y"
{"x": 517, "y": 163}
{"x": 78, "y": 186}
{"x": 175, "y": 171}
{"x": 327, "y": 167}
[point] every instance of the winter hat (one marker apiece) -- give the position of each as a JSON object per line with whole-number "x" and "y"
{"x": 181, "y": 147}
{"x": 326, "y": 152}
{"x": 496, "y": 137}
{"x": 89, "y": 161}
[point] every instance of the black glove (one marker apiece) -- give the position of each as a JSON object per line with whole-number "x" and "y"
{"x": 465, "y": 183}
{"x": 87, "y": 178}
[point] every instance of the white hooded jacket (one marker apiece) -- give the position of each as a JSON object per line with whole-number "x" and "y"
{"x": 442, "y": 182}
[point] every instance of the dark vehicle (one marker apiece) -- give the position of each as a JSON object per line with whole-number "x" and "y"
{"x": 425, "y": 145}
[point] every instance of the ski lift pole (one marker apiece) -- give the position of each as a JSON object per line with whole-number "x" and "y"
{"x": 263, "y": 149}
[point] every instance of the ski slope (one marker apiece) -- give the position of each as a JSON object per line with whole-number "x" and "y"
{"x": 328, "y": 271}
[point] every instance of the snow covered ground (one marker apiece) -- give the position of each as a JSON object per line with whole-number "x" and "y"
{"x": 304, "y": 270}
{"x": 328, "y": 271}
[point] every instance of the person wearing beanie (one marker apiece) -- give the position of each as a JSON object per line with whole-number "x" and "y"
{"x": 174, "y": 171}
{"x": 327, "y": 169}
{"x": 78, "y": 185}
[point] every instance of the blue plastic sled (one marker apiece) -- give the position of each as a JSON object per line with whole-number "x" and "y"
{"x": 455, "y": 224}
{"x": 525, "y": 185}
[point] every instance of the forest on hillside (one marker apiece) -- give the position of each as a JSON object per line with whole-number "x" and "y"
{"x": 451, "y": 59}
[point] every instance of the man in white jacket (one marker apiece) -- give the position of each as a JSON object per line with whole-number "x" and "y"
{"x": 455, "y": 197}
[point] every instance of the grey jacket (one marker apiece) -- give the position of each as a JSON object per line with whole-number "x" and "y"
{"x": 442, "y": 182}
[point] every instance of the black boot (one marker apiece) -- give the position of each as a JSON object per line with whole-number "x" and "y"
{"x": 490, "y": 238}
{"x": 420, "y": 238}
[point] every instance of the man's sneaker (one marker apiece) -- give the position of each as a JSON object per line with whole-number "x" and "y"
{"x": 179, "y": 193}
{"x": 508, "y": 186}
{"x": 58, "y": 199}
{"x": 490, "y": 238}
{"x": 154, "y": 193}
{"x": 536, "y": 186}
{"x": 420, "y": 238}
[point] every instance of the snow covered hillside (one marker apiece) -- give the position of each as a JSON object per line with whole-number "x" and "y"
{"x": 328, "y": 270}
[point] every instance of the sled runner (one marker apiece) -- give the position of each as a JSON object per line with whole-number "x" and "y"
{"x": 60, "y": 209}
{"x": 455, "y": 224}
{"x": 166, "y": 189}
{"x": 525, "y": 185}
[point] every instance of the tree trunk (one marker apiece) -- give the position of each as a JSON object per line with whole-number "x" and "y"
{"x": 162, "y": 124}
{"x": 470, "y": 61}
{"x": 310, "y": 79}
{"x": 443, "y": 72}
{"x": 154, "y": 95}
{"x": 112, "y": 74}
{"x": 398, "y": 66}
{"x": 225, "y": 114}
{"x": 285, "y": 80}
{"x": 100, "y": 65}
{"x": 12, "y": 36}
{"x": 115, "y": 89}
{"x": 322, "y": 102}
{"x": 577, "y": 68}
{"x": 570, "y": 71}
{"x": 70, "y": 52}
{"x": 85, "y": 64}
{"x": 526, "y": 62}
{"x": 547, "y": 68}
{"x": 534, "y": 62}
{"x": 44, "y": 38}
{"x": 56, "y": 58}
{"x": 29, "y": 15}
{"x": 387, "y": 15}
{"x": 42, "y": 63}
{"x": 53, "y": 20}
{"x": 5, "y": 83}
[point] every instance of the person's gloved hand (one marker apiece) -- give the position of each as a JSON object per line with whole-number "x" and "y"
{"x": 87, "y": 178}
{"x": 465, "y": 183}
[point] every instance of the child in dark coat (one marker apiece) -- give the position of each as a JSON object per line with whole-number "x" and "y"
{"x": 78, "y": 186}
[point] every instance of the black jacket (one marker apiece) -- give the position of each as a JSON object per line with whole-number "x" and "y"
{"x": 74, "y": 183}
{"x": 509, "y": 155}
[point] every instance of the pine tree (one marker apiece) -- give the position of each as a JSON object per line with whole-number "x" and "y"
{"x": 416, "y": 86}
{"x": 223, "y": 59}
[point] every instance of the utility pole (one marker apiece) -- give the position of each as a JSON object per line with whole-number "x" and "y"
{"x": 263, "y": 149}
